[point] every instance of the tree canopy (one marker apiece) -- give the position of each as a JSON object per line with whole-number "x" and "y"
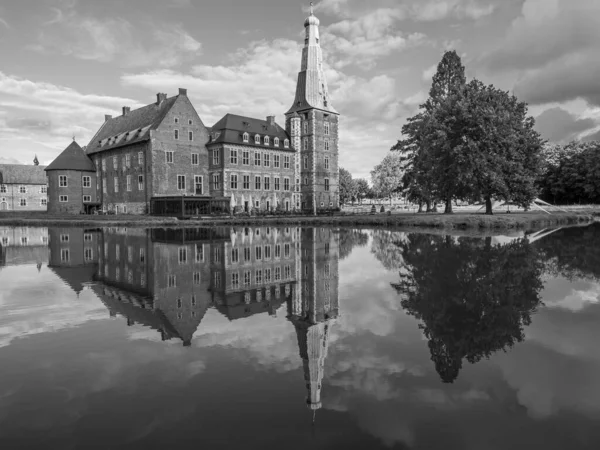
{"x": 347, "y": 186}
{"x": 387, "y": 176}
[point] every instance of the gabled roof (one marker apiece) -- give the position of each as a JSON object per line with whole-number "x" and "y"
{"x": 132, "y": 127}
{"x": 22, "y": 174}
{"x": 231, "y": 128}
{"x": 72, "y": 158}
{"x": 75, "y": 277}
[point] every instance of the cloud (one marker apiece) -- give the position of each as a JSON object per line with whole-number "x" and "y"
{"x": 558, "y": 125}
{"x": 436, "y": 10}
{"x": 45, "y": 126}
{"x": 116, "y": 40}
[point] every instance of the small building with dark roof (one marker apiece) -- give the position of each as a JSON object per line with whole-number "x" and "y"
{"x": 252, "y": 162}
{"x": 72, "y": 182}
{"x": 22, "y": 187}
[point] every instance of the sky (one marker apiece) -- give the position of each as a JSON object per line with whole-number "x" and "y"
{"x": 67, "y": 63}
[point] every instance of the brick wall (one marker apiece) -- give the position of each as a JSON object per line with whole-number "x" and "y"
{"x": 165, "y": 175}
{"x": 74, "y": 191}
{"x": 225, "y": 169}
{"x": 72, "y": 247}
{"x": 11, "y": 199}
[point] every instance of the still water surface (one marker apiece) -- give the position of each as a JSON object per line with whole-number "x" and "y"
{"x": 298, "y": 338}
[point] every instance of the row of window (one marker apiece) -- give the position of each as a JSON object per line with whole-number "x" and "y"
{"x": 189, "y": 121}
{"x": 128, "y": 184}
{"x": 261, "y": 276}
{"x": 65, "y": 198}
{"x": 43, "y": 201}
{"x": 22, "y": 189}
{"x": 266, "y": 140}
{"x": 260, "y": 158}
{"x": 305, "y": 144}
{"x": 305, "y": 127}
{"x": 87, "y": 237}
{"x": 260, "y": 253}
{"x": 63, "y": 181}
{"x": 260, "y": 183}
{"x": 126, "y": 161}
{"x": 65, "y": 254}
{"x": 326, "y": 160}
{"x": 24, "y": 240}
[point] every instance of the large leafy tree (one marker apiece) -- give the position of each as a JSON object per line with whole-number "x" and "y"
{"x": 471, "y": 297}
{"x": 347, "y": 186}
{"x": 350, "y": 238}
{"x": 362, "y": 188}
{"x": 386, "y": 177}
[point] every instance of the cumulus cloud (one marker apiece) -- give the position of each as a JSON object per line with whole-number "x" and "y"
{"x": 46, "y": 125}
{"x": 560, "y": 126}
{"x": 115, "y": 40}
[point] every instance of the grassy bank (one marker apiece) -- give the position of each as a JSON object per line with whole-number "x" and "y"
{"x": 460, "y": 221}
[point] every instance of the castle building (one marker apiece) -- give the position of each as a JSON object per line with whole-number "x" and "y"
{"x": 72, "y": 182}
{"x": 23, "y": 187}
{"x": 162, "y": 159}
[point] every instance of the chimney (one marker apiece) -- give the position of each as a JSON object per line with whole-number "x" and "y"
{"x": 126, "y": 110}
{"x": 107, "y": 117}
{"x": 160, "y": 97}
{"x": 183, "y": 92}
{"x": 271, "y": 120}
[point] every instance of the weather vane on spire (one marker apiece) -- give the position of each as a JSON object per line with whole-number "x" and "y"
{"x": 311, "y": 8}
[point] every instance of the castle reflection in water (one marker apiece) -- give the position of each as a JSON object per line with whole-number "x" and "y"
{"x": 167, "y": 279}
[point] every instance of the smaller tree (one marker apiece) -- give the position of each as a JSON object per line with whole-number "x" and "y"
{"x": 387, "y": 176}
{"x": 362, "y": 189}
{"x": 347, "y": 186}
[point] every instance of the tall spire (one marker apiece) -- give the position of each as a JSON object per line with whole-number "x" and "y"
{"x": 36, "y": 162}
{"x": 311, "y": 89}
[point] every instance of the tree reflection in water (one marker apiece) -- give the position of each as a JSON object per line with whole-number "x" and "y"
{"x": 350, "y": 238}
{"x": 472, "y": 298}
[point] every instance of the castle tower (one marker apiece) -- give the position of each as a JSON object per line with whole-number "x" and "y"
{"x": 316, "y": 139}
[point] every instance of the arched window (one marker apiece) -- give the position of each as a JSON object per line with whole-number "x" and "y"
{"x": 267, "y": 140}
{"x": 246, "y": 137}
{"x": 286, "y": 143}
{"x": 276, "y": 142}
{"x": 257, "y": 139}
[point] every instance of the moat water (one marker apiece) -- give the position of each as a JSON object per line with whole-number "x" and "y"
{"x": 298, "y": 338}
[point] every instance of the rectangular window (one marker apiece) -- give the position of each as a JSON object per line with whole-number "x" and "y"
{"x": 305, "y": 127}
{"x": 104, "y": 165}
{"x": 62, "y": 181}
{"x": 286, "y": 184}
{"x": 287, "y": 273}
{"x": 257, "y": 158}
{"x": 305, "y": 159}
{"x": 306, "y": 181}
{"x": 196, "y": 278}
{"x": 141, "y": 158}
{"x": 88, "y": 254}
{"x": 104, "y": 188}
{"x": 182, "y": 255}
{"x": 176, "y": 134}
{"x": 43, "y": 202}
{"x": 87, "y": 198}
{"x": 63, "y": 198}
{"x": 195, "y": 159}
{"x": 233, "y": 181}
{"x": 277, "y": 273}
{"x": 327, "y": 184}
{"x": 258, "y": 276}
{"x": 22, "y": 190}
{"x": 215, "y": 181}
{"x": 235, "y": 281}
{"x": 286, "y": 162}
{"x": 247, "y": 257}
{"x": 256, "y": 183}
{"x": 278, "y": 251}
{"x": 326, "y": 127}
{"x": 276, "y": 161}
{"x": 267, "y": 183}
{"x": 247, "y": 278}
{"x": 217, "y": 278}
{"x": 258, "y": 253}
{"x": 267, "y": 252}
{"x": 305, "y": 144}
{"x": 115, "y": 163}
{"x": 276, "y": 183}
{"x": 44, "y": 190}
{"x": 198, "y": 184}
{"x": 216, "y": 158}
{"x": 246, "y": 182}
{"x": 267, "y": 278}
{"x": 327, "y": 144}
{"x": 286, "y": 250}
{"x": 235, "y": 255}
{"x": 127, "y": 160}
{"x": 172, "y": 281}
{"x": 199, "y": 253}
{"x": 233, "y": 156}
{"x": 142, "y": 255}
{"x": 23, "y": 202}
{"x": 140, "y": 182}
{"x": 116, "y": 184}
{"x": 65, "y": 255}
{"x": 267, "y": 160}
{"x": 128, "y": 181}
{"x": 326, "y": 163}
{"x": 181, "y": 182}
{"x": 245, "y": 157}
{"x": 190, "y": 135}
{"x": 169, "y": 157}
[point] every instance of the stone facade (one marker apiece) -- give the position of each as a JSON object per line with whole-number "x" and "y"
{"x": 22, "y": 188}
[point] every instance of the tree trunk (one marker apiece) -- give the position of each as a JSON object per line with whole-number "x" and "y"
{"x": 488, "y": 243}
{"x": 434, "y": 209}
{"x": 420, "y": 207}
{"x": 448, "y": 209}
{"x": 488, "y": 205}
{"x": 428, "y": 203}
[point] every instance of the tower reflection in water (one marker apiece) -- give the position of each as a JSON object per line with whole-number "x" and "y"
{"x": 167, "y": 279}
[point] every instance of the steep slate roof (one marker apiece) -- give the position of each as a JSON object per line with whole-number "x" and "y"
{"x": 22, "y": 174}
{"x": 75, "y": 277}
{"x": 133, "y": 127}
{"x": 231, "y": 127}
{"x": 72, "y": 158}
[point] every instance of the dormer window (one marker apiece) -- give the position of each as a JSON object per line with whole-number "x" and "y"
{"x": 267, "y": 140}
{"x": 245, "y": 137}
{"x": 276, "y": 142}
{"x": 286, "y": 143}
{"x": 257, "y": 139}
{"x": 176, "y": 119}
